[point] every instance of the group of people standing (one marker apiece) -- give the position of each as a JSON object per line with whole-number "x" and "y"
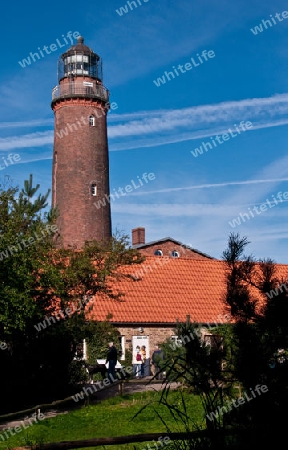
{"x": 139, "y": 362}
{"x": 140, "y": 359}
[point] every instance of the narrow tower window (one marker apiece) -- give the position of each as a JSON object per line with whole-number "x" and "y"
{"x": 94, "y": 189}
{"x": 91, "y": 121}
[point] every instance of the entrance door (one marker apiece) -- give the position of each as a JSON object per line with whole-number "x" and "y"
{"x": 140, "y": 341}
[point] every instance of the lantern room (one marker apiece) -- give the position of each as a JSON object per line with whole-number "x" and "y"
{"x": 80, "y": 60}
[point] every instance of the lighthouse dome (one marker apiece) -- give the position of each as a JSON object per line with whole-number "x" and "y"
{"x": 80, "y": 47}
{"x": 80, "y": 60}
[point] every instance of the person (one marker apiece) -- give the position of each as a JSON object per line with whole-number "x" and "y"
{"x": 157, "y": 357}
{"x": 143, "y": 353}
{"x": 137, "y": 362}
{"x": 111, "y": 359}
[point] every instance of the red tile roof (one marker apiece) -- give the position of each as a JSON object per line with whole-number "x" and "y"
{"x": 167, "y": 292}
{"x": 170, "y": 291}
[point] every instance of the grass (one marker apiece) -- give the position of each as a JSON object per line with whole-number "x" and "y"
{"x": 110, "y": 418}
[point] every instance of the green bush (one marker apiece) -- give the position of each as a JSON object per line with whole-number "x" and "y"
{"x": 99, "y": 334}
{"x": 77, "y": 372}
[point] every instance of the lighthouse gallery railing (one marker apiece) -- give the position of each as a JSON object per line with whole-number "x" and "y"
{"x": 84, "y": 89}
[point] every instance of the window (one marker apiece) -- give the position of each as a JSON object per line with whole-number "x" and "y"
{"x": 91, "y": 121}
{"x": 158, "y": 252}
{"x": 86, "y": 67}
{"x": 122, "y": 347}
{"x": 94, "y": 189}
{"x": 175, "y": 254}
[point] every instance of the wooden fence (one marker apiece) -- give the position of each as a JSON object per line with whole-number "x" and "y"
{"x": 121, "y": 440}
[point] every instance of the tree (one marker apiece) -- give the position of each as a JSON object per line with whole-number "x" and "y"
{"x": 259, "y": 339}
{"x": 250, "y": 353}
{"x": 98, "y": 336}
{"x": 198, "y": 366}
{"x": 37, "y": 280}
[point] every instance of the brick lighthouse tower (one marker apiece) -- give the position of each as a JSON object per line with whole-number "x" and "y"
{"x": 80, "y": 159}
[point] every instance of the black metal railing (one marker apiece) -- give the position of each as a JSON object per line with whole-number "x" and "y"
{"x": 83, "y": 89}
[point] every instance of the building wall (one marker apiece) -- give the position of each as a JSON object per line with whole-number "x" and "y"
{"x": 157, "y": 334}
{"x": 168, "y": 246}
{"x": 80, "y": 159}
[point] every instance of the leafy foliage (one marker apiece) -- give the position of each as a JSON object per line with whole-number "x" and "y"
{"x": 261, "y": 340}
{"x": 250, "y": 351}
{"x": 99, "y": 334}
{"x": 199, "y": 367}
{"x": 37, "y": 279}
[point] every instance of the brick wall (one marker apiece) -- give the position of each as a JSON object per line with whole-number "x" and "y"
{"x": 168, "y": 246}
{"x": 157, "y": 334}
{"x": 80, "y": 158}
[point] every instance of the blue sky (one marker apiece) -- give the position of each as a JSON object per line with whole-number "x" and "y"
{"x": 155, "y": 129}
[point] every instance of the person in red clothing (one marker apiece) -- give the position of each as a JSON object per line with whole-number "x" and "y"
{"x": 137, "y": 362}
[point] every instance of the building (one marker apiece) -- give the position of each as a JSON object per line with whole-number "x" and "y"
{"x": 80, "y": 103}
{"x": 164, "y": 247}
{"x": 167, "y": 288}
{"x": 175, "y": 281}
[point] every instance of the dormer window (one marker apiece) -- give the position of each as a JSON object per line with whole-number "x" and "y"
{"x": 91, "y": 121}
{"x": 175, "y": 254}
{"x": 158, "y": 253}
{"x": 94, "y": 189}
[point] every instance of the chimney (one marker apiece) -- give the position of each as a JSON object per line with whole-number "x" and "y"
{"x": 138, "y": 236}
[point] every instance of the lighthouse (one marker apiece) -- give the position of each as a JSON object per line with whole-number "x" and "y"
{"x": 80, "y": 176}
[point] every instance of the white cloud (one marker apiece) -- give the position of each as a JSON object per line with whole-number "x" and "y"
{"x": 225, "y": 114}
{"x": 31, "y": 123}
{"x": 37, "y": 139}
{"x": 161, "y": 127}
{"x": 171, "y": 126}
{"x": 211, "y": 185}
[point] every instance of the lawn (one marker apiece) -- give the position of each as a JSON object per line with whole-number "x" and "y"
{"x": 113, "y": 417}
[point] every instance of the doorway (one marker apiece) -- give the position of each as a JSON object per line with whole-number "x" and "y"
{"x": 140, "y": 341}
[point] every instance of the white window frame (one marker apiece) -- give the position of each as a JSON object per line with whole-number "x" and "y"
{"x": 92, "y": 120}
{"x": 94, "y": 190}
{"x": 122, "y": 348}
